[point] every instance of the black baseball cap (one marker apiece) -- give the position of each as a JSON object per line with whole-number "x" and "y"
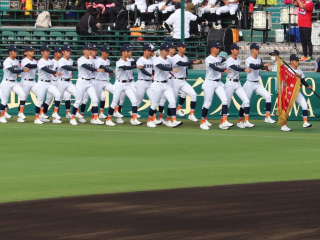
{"x": 94, "y": 47}
{"x": 171, "y": 45}
{"x": 28, "y": 48}
{"x": 234, "y": 46}
{"x": 125, "y": 47}
{"x": 215, "y": 45}
{"x": 164, "y": 46}
{"x": 294, "y": 57}
{"x": 86, "y": 47}
{"x": 57, "y": 49}
{"x": 12, "y": 48}
{"x": 254, "y": 46}
{"x": 105, "y": 49}
{"x": 66, "y": 47}
{"x": 181, "y": 44}
{"x": 44, "y": 48}
{"x": 147, "y": 46}
{"x": 275, "y": 52}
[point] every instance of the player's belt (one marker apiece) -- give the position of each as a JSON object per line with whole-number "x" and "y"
{"x": 42, "y": 80}
{"x": 253, "y": 81}
{"x": 66, "y": 79}
{"x": 124, "y": 81}
{"x": 216, "y": 80}
{"x": 165, "y": 81}
{"x": 181, "y": 78}
{"x": 88, "y": 79}
{"x": 234, "y": 80}
{"x": 147, "y": 80}
{"x": 10, "y": 80}
{"x": 30, "y": 79}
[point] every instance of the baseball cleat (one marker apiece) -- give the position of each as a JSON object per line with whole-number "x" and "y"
{"x": 97, "y": 121}
{"x": 193, "y": 118}
{"x": 82, "y": 120}
{"x": 157, "y": 122}
{"x": 110, "y": 123}
{"x": 135, "y": 122}
{"x": 228, "y": 124}
{"x": 44, "y": 120}
{"x": 56, "y": 116}
{"x": 119, "y": 120}
{"x": 43, "y": 116}
{"x": 306, "y": 124}
{"x": 73, "y": 122}
{"x": 164, "y": 122}
{"x": 247, "y": 124}
{"x": 101, "y": 115}
{"x": 269, "y": 120}
{"x": 151, "y": 124}
{"x": 160, "y": 120}
{"x": 38, "y": 121}
{"x": 78, "y": 115}
{"x": 223, "y": 126}
{"x": 68, "y": 116}
{"x": 20, "y": 120}
{"x": 204, "y": 126}
{"x": 56, "y": 121}
{"x": 7, "y": 115}
{"x": 207, "y": 123}
{"x": 285, "y": 128}
{"x": 177, "y": 123}
{"x": 180, "y": 113}
{"x": 240, "y": 125}
{"x": 118, "y": 115}
{"x": 3, "y": 120}
{"x": 21, "y": 115}
{"x": 91, "y": 121}
{"x": 170, "y": 124}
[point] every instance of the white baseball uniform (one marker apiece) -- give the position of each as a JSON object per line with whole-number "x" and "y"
{"x": 301, "y": 99}
{"x": 233, "y": 84}
{"x": 208, "y": 8}
{"x": 231, "y": 8}
{"x": 9, "y": 82}
{"x": 93, "y": 82}
{"x": 28, "y": 82}
{"x": 143, "y": 84}
{"x": 213, "y": 82}
{"x": 141, "y": 5}
{"x": 169, "y": 8}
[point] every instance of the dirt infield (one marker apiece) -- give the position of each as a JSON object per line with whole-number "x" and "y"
{"x": 285, "y": 210}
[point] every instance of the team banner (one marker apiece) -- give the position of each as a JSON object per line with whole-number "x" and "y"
{"x": 195, "y": 78}
{"x": 289, "y": 87}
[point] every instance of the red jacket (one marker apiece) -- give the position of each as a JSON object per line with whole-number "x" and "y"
{"x": 304, "y": 15}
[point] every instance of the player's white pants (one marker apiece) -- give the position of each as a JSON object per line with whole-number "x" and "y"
{"x": 169, "y": 8}
{"x": 141, "y": 6}
{"x": 66, "y": 89}
{"x": 250, "y": 87}
{"x": 183, "y": 86}
{"x": 302, "y": 101}
{"x": 143, "y": 87}
{"x": 128, "y": 89}
{"x": 158, "y": 89}
{"x": 84, "y": 86}
{"x": 208, "y": 9}
{"x": 232, "y": 8}
{"x": 6, "y": 87}
{"x": 209, "y": 87}
{"x": 43, "y": 88}
{"x": 235, "y": 87}
{"x": 29, "y": 86}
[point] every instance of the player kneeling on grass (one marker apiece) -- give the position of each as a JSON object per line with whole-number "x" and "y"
{"x": 160, "y": 86}
{"x": 233, "y": 84}
{"x": 179, "y": 83}
{"x": 123, "y": 83}
{"x": 213, "y": 84}
{"x": 9, "y": 83}
{"x": 84, "y": 85}
{"x": 294, "y": 62}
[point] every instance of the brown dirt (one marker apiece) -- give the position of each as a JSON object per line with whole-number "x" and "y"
{"x": 282, "y": 210}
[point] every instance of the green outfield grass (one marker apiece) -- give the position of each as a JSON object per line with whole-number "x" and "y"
{"x": 46, "y": 161}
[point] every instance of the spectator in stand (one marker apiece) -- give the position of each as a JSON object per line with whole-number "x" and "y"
{"x": 166, "y": 7}
{"x": 142, "y": 6}
{"x": 317, "y": 65}
{"x": 114, "y": 11}
{"x": 89, "y": 23}
{"x": 194, "y": 25}
{"x": 274, "y": 66}
{"x": 210, "y": 6}
{"x": 230, "y": 6}
{"x": 304, "y": 23}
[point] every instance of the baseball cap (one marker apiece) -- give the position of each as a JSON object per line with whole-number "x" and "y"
{"x": 178, "y": 5}
{"x": 254, "y": 46}
{"x": 125, "y": 47}
{"x": 171, "y": 45}
{"x": 105, "y": 49}
{"x": 12, "y": 48}
{"x": 181, "y": 44}
{"x": 215, "y": 44}
{"x": 66, "y": 47}
{"x": 86, "y": 47}
{"x": 94, "y": 47}
{"x": 275, "y": 52}
{"x": 147, "y": 46}
{"x": 44, "y": 48}
{"x": 234, "y": 46}
{"x": 294, "y": 57}
{"x": 28, "y": 48}
{"x": 164, "y": 46}
{"x": 57, "y": 49}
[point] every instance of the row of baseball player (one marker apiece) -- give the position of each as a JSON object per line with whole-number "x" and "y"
{"x": 161, "y": 78}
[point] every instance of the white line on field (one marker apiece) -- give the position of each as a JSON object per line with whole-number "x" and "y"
{"x": 177, "y": 133}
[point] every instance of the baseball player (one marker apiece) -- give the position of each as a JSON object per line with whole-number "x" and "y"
{"x": 84, "y": 85}
{"x": 165, "y": 6}
{"x": 9, "y": 83}
{"x": 162, "y": 66}
{"x": 209, "y": 6}
{"x": 294, "y": 62}
{"x": 231, "y": 6}
{"x": 27, "y": 82}
{"x": 213, "y": 84}
{"x": 46, "y": 75}
{"x": 253, "y": 85}
{"x": 124, "y": 84}
{"x": 179, "y": 83}
{"x": 233, "y": 84}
